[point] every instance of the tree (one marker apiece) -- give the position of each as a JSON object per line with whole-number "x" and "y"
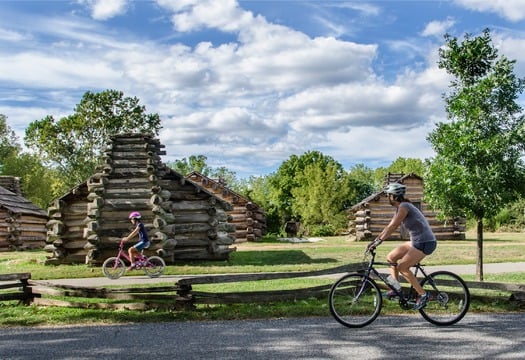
{"x": 8, "y": 140}
{"x": 193, "y": 163}
{"x": 39, "y": 183}
{"x": 400, "y": 166}
{"x": 73, "y": 144}
{"x": 363, "y": 182}
{"x": 322, "y": 198}
{"x": 478, "y": 167}
{"x": 290, "y": 186}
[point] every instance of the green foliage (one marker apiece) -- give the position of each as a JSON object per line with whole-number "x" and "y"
{"x": 73, "y": 144}
{"x": 478, "y": 166}
{"x": 312, "y": 188}
{"x": 400, "y": 166}
{"x": 40, "y": 184}
{"x": 363, "y": 182}
{"x": 193, "y": 163}
{"x": 8, "y": 141}
{"x": 510, "y": 218}
{"x": 320, "y": 199}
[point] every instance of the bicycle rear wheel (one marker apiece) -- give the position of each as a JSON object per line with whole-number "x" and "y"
{"x": 154, "y": 266}
{"x": 355, "y": 301}
{"x": 113, "y": 268}
{"x": 449, "y": 298}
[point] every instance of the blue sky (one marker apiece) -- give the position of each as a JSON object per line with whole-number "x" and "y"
{"x": 249, "y": 83}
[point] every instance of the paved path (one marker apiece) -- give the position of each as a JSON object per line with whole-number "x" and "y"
{"x": 477, "y": 336}
{"x": 172, "y": 279}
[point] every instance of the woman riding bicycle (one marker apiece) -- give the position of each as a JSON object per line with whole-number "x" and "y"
{"x": 139, "y": 230}
{"x": 422, "y": 239}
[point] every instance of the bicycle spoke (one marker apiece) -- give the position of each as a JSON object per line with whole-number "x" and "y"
{"x": 449, "y": 298}
{"x": 355, "y": 301}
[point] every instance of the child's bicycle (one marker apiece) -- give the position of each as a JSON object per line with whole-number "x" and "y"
{"x": 355, "y": 300}
{"x": 114, "y": 267}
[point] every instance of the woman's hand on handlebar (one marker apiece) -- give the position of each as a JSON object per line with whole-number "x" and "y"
{"x": 373, "y": 245}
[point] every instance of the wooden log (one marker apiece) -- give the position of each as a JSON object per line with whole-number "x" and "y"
{"x": 190, "y": 205}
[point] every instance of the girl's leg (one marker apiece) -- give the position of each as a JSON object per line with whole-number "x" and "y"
{"x": 132, "y": 252}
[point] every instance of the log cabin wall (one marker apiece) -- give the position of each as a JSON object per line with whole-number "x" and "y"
{"x": 67, "y": 220}
{"x": 183, "y": 220}
{"x": 22, "y": 224}
{"x": 369, "y": 217}
{"x": 249, "y": 218}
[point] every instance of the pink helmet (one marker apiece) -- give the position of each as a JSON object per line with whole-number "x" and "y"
{"x": 134, "y": 215}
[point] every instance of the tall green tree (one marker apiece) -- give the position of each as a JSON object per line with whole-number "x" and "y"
{"x": 39, "y": 183}
{"x": 322, "y": 198}
{"x": 73, "y": 144}
{"x": 478, "y": 167}
{"x": 363, "y": 181}
{"x": 290, "y": 184}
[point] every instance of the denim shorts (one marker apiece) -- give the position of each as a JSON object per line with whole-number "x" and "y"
{"x": 141, "y": 245}
{"x": 427, "y": 247}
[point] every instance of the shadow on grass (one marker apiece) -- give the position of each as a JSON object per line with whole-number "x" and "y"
{"x": 266, "y": 258}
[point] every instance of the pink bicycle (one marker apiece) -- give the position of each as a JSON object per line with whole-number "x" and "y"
{"x": 114, "y": 267}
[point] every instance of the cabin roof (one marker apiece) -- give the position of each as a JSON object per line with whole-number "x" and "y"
{"x": 389, "y": 178}
{"x": 18, "y": 204}
{"x": 213, "y": 181}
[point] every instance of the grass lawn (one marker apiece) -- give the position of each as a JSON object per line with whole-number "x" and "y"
{"x": 267, "y": 256}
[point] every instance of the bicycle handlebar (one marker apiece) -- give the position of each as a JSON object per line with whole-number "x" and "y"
{"x": 373, "y": 245}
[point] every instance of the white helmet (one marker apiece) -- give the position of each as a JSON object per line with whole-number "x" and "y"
{"x": 396, "y": 189}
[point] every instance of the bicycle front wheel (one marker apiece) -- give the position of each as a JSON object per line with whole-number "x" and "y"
{"x": 154, "y": 266}
{"x": 355, "y": 300}
{"x": 113, "y": 268}
{"x": 449, "y": 298}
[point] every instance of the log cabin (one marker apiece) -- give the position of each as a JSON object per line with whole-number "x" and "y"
{"x": 184, "y": 221}
{"x": 249, "y": 218}
{"x": 22, "y": 223}
{"x": 369, "y": 217}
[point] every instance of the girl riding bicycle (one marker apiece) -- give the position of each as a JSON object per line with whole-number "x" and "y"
{"x": 422, "y": 239}
{"x": 139, "y": 230}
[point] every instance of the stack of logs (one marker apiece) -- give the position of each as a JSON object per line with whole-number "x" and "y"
{"x": 249, "y": 218}
{"x": 183, "y": 221}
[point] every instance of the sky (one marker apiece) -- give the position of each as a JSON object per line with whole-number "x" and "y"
{"x": 250, "y": 83}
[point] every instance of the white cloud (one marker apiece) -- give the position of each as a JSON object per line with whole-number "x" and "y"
{"x": 10, "y": 35}
{"x": 247, "y": 102}
{"x": 514, "y": 10}
{"x": 106, "y": 9}
{"x": 438, "y": 28}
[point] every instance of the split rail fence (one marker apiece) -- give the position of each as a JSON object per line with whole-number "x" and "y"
{"x": 182, "y": 296}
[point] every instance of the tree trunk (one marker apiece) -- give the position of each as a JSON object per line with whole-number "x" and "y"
{"x": 479, "y": 265}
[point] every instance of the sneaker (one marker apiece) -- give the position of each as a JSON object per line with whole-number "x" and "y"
{"x": 133, "y": 266}
{"x": 421, "y": 301}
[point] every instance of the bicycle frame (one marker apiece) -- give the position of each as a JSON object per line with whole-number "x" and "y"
{"x": 355, "y": 299}
{"x": 122, "y": 253}
{"x": 404, "y": 297}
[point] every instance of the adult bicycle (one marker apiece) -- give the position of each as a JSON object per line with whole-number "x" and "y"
{"x": 355, "y": 300}
{"x": 114, "y": 267}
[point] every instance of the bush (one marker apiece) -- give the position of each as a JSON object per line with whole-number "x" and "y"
{"x": 322, "y": 230}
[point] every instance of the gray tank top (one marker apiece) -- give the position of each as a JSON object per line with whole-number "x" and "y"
{"x": 417, "y": 225}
